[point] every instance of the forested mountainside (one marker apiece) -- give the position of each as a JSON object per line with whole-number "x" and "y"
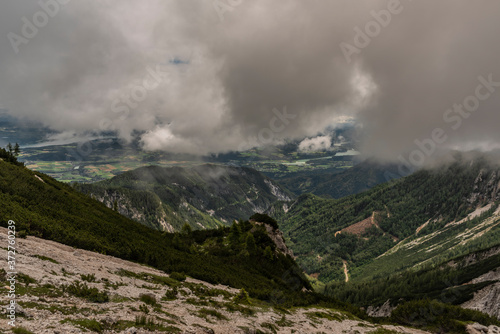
{"x": 426, "y": 218}
{"x": 354, "y": 180}
{"x": 411, "y": 246}
{"x": 204, "y": 196}
{"x": 241, "y": 256}
{"x": 471, "y": 280}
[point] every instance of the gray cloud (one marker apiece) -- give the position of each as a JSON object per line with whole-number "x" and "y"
{"x": 217, "y": 83}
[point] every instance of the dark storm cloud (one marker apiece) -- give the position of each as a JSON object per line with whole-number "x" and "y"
{"x": 198, "y": 77}
{"x": 428, "y": 62}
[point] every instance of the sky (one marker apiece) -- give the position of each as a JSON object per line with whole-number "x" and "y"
{"x": 219, "y": 75}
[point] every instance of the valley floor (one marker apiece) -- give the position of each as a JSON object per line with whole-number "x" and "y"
{"x": 198, "y": 307}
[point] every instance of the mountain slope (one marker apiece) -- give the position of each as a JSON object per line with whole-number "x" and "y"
{"x": 43, "y": 207}
{"x": 471, "y": 280}
{"x": 428, "y": 217}
{"x": 204, "y": 196}
{"x": 142, "y": 300}
{"x": 354, "y": 180}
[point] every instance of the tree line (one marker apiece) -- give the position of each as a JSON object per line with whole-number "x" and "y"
{"x": 10, "y": 154}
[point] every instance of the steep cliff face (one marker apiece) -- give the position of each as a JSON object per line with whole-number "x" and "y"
{"x": 382, "y": 311}
{"x": 487, "y": 300}
{"x": 486, "y": 186}
{"x": 277, "y": 237}
{"x": 122, "y": 203}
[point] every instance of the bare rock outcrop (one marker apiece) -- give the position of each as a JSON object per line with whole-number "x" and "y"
{"x": 277, "y": 237}
{"x": 480, "y": 329}
{"x": 382, "y": 311}
{"x": 486, "y": 300}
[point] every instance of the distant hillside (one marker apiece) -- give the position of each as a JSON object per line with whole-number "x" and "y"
{"x": 424, "y": 219}
{"x": 243, "y": 256}
{"x": 205, "y": 196}
{"x": 354, "y": 180}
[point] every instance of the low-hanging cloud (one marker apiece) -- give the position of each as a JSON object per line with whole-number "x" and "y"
{"x": 319, "y": 143}
{"x": 187, "y": 81}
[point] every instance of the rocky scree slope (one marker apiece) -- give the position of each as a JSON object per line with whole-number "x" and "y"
{"x": 140, "y": 299}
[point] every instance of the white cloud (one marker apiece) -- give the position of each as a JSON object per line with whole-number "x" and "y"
{"x": 319, "y": 143}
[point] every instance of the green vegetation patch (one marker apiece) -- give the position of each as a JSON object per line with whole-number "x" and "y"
{"x": 439, "y": 317}
{"x": 84, "y": 291}
{"x": 21, "y": 330}
{"x": 273, "y": 328}
{"x": 89, "y": 324}
{"x": 325, "y": 315}
{"x": 206, "y": 313}
{"x": 151, "y": 278}
{"x": 148, "y": 299}
{"x": 151, "y": 324}
{"x": 46, "y": 258}
{"x": 88, "y": 278}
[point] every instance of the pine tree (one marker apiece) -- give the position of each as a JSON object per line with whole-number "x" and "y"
{"x": 16, "y": 150}
{"x": 268, "y": 253}
{"x": 250, "y": 244}
{"x": 176, "y": 242}
{"x": 242, "y": 297}
{"x": 9, "y": 148}
{"x": 186, "y": 229}
{"x": 235, "y": 234}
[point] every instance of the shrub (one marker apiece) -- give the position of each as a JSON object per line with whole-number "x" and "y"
{"x": 26, "y": 279}
{"x": 143, "y": 308}
{"x": 140, "y": 320}
{"x": 232, "y": 307}
{"x": 171, "y": 294}
{"x": 205, "y": 312}
{"x": 45, "y": 258}
{"x": 90, "y": 324}
{"x": 148, "y": 323}
{"x": 21, "y": 330}
{"x": 263, "y": 218}
{"x": 178, "y": 276}
{"x": 89, "y": 278}
{"x": 84, "y": 291}
{"x": 242, "y": 297}
{"x": 148, "y": 299}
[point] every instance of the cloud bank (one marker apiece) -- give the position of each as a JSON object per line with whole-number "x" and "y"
{"x": 201, "y": 77}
